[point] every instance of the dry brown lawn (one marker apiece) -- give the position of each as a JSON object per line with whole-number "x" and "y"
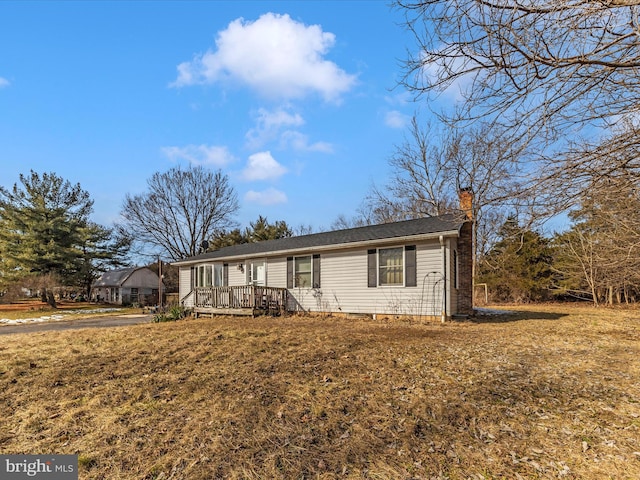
{"x": 550, "y": 392}
{"x": 34, "y": 309}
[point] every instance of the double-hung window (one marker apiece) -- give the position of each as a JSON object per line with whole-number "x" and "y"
{"x": 392, "y": 267}
{"x": 302, "y": 272}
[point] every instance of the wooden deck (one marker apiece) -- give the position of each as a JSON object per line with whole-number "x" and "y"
{"x": 238, "y": 300}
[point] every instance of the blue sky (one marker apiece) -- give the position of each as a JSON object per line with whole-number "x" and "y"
{"x": 295, "y": 101}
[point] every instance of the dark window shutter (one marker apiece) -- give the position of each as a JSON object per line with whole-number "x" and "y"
{"x": 372, "y": 267}
{"x": 316, "y": 271}
{"x": 410, "y": 278}
{"x": 193, "y": 278}
{"x": 289, "y": 272}
{"x": 225, "y": 274}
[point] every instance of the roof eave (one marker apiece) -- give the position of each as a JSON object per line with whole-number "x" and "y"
{"x": 319, "y": 248}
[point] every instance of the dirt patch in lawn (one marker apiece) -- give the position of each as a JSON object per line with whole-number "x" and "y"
{"x": 38, "y": 306}
{"x": 548, "y": 394}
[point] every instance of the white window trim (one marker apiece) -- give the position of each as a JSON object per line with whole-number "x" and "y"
{"x": 204, "y": 274}
{"x": 250, "y": 279}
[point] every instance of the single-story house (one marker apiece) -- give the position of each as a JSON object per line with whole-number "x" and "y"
{"x": 127, "y": 286}
{"x": 418, "y": 268}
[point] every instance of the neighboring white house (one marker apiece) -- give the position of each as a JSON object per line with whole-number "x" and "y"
{"x": 127, "y": 286}
{"x": 416, "y": 267}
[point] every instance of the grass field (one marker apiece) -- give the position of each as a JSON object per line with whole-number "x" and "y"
{"x": 547, "y": 392}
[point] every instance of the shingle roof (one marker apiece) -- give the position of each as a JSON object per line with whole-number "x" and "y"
{"x": 114, "y": 278}
{"x": 420, "y": 226}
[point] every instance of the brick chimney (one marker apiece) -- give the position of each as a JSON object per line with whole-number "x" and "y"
{"x": 465, "y": 254}
{"x": 466, "y": 202}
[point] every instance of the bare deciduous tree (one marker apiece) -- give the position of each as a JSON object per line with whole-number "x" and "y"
{"x": 181, "y": 210}
{"x": 430, "y": 169}
{"x": 423, "y": 181}
{"x": 588, "y": 166}
{"x": 546, "y": 72}
{"x": 432, "y": 165}
{"x": 343, "y": 222}
{"x": 538, "y": 65}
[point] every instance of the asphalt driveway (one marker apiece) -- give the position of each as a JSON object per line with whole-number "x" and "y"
{"x": 95, "y": 322}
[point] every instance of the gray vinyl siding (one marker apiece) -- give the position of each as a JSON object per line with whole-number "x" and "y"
{"x": 236, "y": 276}
{"x": 277, "y": 272}
{"x": 430, "y": 279}
{"x": 344, "y": 286}
{"x": 344, "y": 283}
{"x": 185, "y": 285}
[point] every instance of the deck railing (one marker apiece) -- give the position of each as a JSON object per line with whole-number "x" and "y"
{"x": 239, "y": 297}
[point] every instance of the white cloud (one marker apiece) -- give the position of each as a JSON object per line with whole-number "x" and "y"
{"x": 270, "y": 196}
{"x": 274, "y": 55}
{"x": 272, "y": 125}
{"x": 200, "y": 154}
{"x": 269, "y": 124}
{"x": 300, "y": 142}
{"x": 262, "y": 166}
{"x": 399, "y": 99}
{"x": 4, "y": 82}
{"x": 396, "y": 119}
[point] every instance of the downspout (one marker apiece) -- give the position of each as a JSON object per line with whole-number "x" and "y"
{"x": 443, "y": 319}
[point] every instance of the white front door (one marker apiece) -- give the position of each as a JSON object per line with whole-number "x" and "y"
{"x": 257, "y": 273}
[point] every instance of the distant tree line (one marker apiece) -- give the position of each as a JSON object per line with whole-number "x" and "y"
{"x": 596, "y": 259}
{"x": 47, "y": 239}
{"x": 257, "y": 231}
{"x": 49, "y": 245}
